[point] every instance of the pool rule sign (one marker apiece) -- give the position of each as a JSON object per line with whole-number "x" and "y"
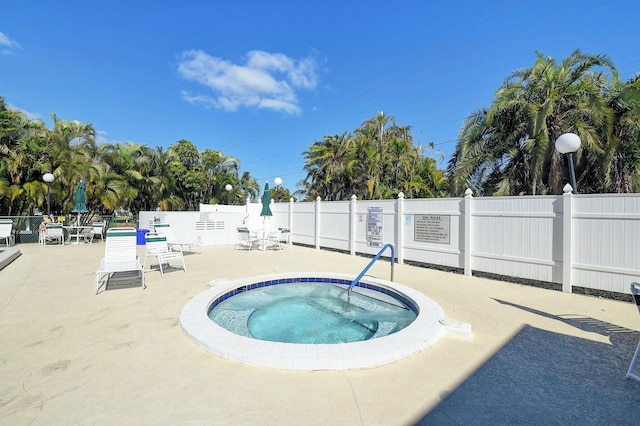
{"x": 432, "y": 228}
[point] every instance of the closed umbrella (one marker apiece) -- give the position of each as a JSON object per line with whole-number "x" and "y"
{"x": 266, "y": 212}
{"x": 80, "y": 206}
{"x": 266, "y": 200}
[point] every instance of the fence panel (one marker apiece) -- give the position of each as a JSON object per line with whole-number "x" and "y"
{"x": 518, "y": 236}
{"x": 434, "y": 231}
{"x": 606, "y": 247}
{"x": 304, "y": 223}
{"x": 334, "y": 225}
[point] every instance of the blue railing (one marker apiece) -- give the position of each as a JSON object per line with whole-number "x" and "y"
{"x": 376, "y": 257}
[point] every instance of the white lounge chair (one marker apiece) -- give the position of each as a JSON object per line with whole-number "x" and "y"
{"x": 6, "y": 231}
{"x": 246, "y": 239}
{"x": 53, "y": 232}
{"x": 635, "y": 292}
{"x": 172, "y": 240}
{"x": 158, "y": 247}
{"x": 120, "y": 255}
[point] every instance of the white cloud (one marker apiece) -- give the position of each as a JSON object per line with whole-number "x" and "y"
{"x": 30, "y": 115}
{"x": 7, "y": 46}
{"x": 102, "y": 137}
{"x": 266, "y": 80}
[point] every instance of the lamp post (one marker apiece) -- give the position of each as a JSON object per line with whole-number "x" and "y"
{"x": 48, "y": 178}
{"x": 228, "y": 187}
{"x": 569, "y": 143}
{"x": 278, "y": 182}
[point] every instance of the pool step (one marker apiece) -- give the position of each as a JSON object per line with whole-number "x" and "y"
{"x": 456, "y": 328}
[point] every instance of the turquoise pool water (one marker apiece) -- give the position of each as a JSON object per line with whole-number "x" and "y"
{"x": 311, "y": 313}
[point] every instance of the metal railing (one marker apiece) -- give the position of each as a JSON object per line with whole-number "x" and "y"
{"x": 26, "y": 228}
{"x": 376, "y": 257}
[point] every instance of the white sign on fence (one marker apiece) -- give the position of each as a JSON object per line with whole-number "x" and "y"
{"x": 432, "y": 228}
{"x": 374, "y": 226}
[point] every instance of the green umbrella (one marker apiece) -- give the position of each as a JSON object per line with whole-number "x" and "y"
{"x": 266, "y": 200}
{"x": 80, "y": 206}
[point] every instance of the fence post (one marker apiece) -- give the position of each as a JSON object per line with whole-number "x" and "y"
{"x": 290, "y": 221}
{"x": 468, "y": 243}
{"x": 352, "y": 225}
{"x": 400, "y": 228}
{"x": 317, "y": 224}
{"x": 567, "y": 238}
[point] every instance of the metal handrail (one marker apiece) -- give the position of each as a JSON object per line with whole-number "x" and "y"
{"x": 376, "y": 257}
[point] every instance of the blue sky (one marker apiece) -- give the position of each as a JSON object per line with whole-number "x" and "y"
{"x": 263, "y": 80}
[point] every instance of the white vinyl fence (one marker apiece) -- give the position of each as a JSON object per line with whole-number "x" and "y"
{"x": 590, "y": 241}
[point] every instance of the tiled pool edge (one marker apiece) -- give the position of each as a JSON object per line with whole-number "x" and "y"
{"x": 419, "y": 335}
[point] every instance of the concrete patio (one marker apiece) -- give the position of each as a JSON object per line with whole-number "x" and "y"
{"x": 69, "y": 356}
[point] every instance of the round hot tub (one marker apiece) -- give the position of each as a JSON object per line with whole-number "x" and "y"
{"x": 258, "y": 331}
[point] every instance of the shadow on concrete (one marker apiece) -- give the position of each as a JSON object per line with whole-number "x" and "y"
{"x": 545, "y": 378}
{"x": 121, "y": 280}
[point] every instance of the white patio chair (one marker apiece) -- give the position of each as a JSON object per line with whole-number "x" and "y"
{"x": 97, "y": 230}
{"x": 158, "y": 247}
{"x": 276, "y": 238}
{"x": 53, "y": 232}
{"x": 120, "y": 255}
{"x": 635, "y": 292}
{"x": 246, "y": 239}
{"x": 172, "y": 240}
{"x": 86, "y": 234}
{"x": 6, "y": 231}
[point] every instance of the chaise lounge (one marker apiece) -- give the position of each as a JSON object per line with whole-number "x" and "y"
{"x": 119, "y": 255}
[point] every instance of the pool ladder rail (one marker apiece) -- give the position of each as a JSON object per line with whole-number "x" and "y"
{"x": 449, "y": 325}
{"x": 376, "y": 257}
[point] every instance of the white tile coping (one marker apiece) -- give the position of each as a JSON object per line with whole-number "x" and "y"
{"x": 428, "y": 326}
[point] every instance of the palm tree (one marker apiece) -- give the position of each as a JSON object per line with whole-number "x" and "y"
{"x": 328, "y": 168}
{"x": 221, "y": 170}
{"x": 250, "y": 187}
{"x": 68, "y": 163}
{"x": 377, "y": 161}
{"x": 621, "y": 165}
{"x": 517, "y": 133}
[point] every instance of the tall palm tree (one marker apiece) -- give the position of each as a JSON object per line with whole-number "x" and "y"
{"x": 621, "y": 165}
{"x": 221, "y": 170}
{"x": 377, "y": 161}
{"x": 250, "y": 187}
{"x": 328, "y": 166}
{"x": 107, "y": 189}
{"x": 69, "y": 158}
{"x": 517, "y": 133}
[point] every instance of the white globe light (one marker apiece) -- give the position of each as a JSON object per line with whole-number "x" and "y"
{"x": 277, "y": 181}
{"x": 568, "y": 142}
{"x": 228, "y": 187}
{"x": 48, "y": 177}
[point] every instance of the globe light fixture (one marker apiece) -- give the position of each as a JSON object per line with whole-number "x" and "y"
{"x": 48, "y": 178}
{"x": 228, "y": 187}
{"x": 569, "y": 143}
{"x": 277, "y": 181}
